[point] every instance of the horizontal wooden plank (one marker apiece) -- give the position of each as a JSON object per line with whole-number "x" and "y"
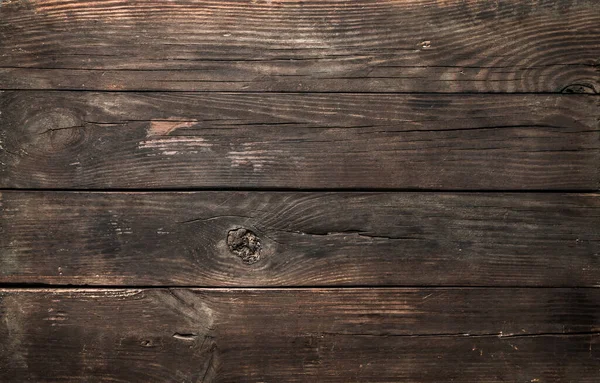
{"x": 289, "y": 45}
{"x": 304, "y": 239}
{"x": 218, "y": 140}
{"x": 382, "y": 335}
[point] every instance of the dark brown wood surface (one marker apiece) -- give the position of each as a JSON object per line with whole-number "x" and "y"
{"x": 306, "y": 239}
{"x": 300, "y": 335}
{"x": 286, "y": 45}
{"x": 185, "y": 140}
{"x": 300, "y": 191}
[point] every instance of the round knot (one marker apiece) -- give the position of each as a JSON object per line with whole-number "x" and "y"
{"x": 245, "y": 244}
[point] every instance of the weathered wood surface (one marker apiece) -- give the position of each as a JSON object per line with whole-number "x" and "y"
{"x": 297, "y": 335}
{"x": 306, "y": 239}
{"x": 145, "y": 98}
{"x": 283, "y": 45}
{"x": 183, "y": 140}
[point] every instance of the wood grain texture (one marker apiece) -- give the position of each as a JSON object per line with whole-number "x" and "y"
{"x": 324, "y": 335}
{"x": 122, "y": 108}
{"x": 306, "y": 239}
{"x": 86, "y": 140}
{"x": 289, "y": 45}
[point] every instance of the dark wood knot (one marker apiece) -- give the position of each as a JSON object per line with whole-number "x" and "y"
{"x": 579, "y": 88}
{"x": 245, "y": 244}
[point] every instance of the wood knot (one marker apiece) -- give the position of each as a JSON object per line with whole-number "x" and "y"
{"x": 579, "y": 88}
{"x": 245, "y": 244}
{"x": 54, "y": 131}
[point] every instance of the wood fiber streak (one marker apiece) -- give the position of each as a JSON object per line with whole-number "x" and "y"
{"x": 287, "y": 45}
{"x": 306, "y": 239}
{"x": 324, "y": 335}
{"x": 87, "y": 140}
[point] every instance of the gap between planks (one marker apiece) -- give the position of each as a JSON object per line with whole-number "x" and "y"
{"x": 46, "y": 287}
{"x": 303, "y": 190}
{"x": 275, "y": 92}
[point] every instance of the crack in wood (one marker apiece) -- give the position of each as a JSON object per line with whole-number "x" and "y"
{"x": 195, "y": 220}
{"x": 359, "y": 233}
{"x": 468, "y": 335}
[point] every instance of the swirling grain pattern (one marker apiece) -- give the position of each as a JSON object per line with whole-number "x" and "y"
{"x": 300, "y": 239}
{"x": 300, "y": 335}
{"x": 331, "y": 46}
{"x": 87, "y": 140}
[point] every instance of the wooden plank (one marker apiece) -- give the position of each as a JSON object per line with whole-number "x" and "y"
{"x": 305, "y": 239}
{"x": 314, "y": 45}
{"x": 382, "y": 335}
{"x": 93, "y": 140}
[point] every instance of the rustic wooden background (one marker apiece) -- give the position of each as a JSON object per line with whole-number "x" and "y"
{"x": 300, "y": 191}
